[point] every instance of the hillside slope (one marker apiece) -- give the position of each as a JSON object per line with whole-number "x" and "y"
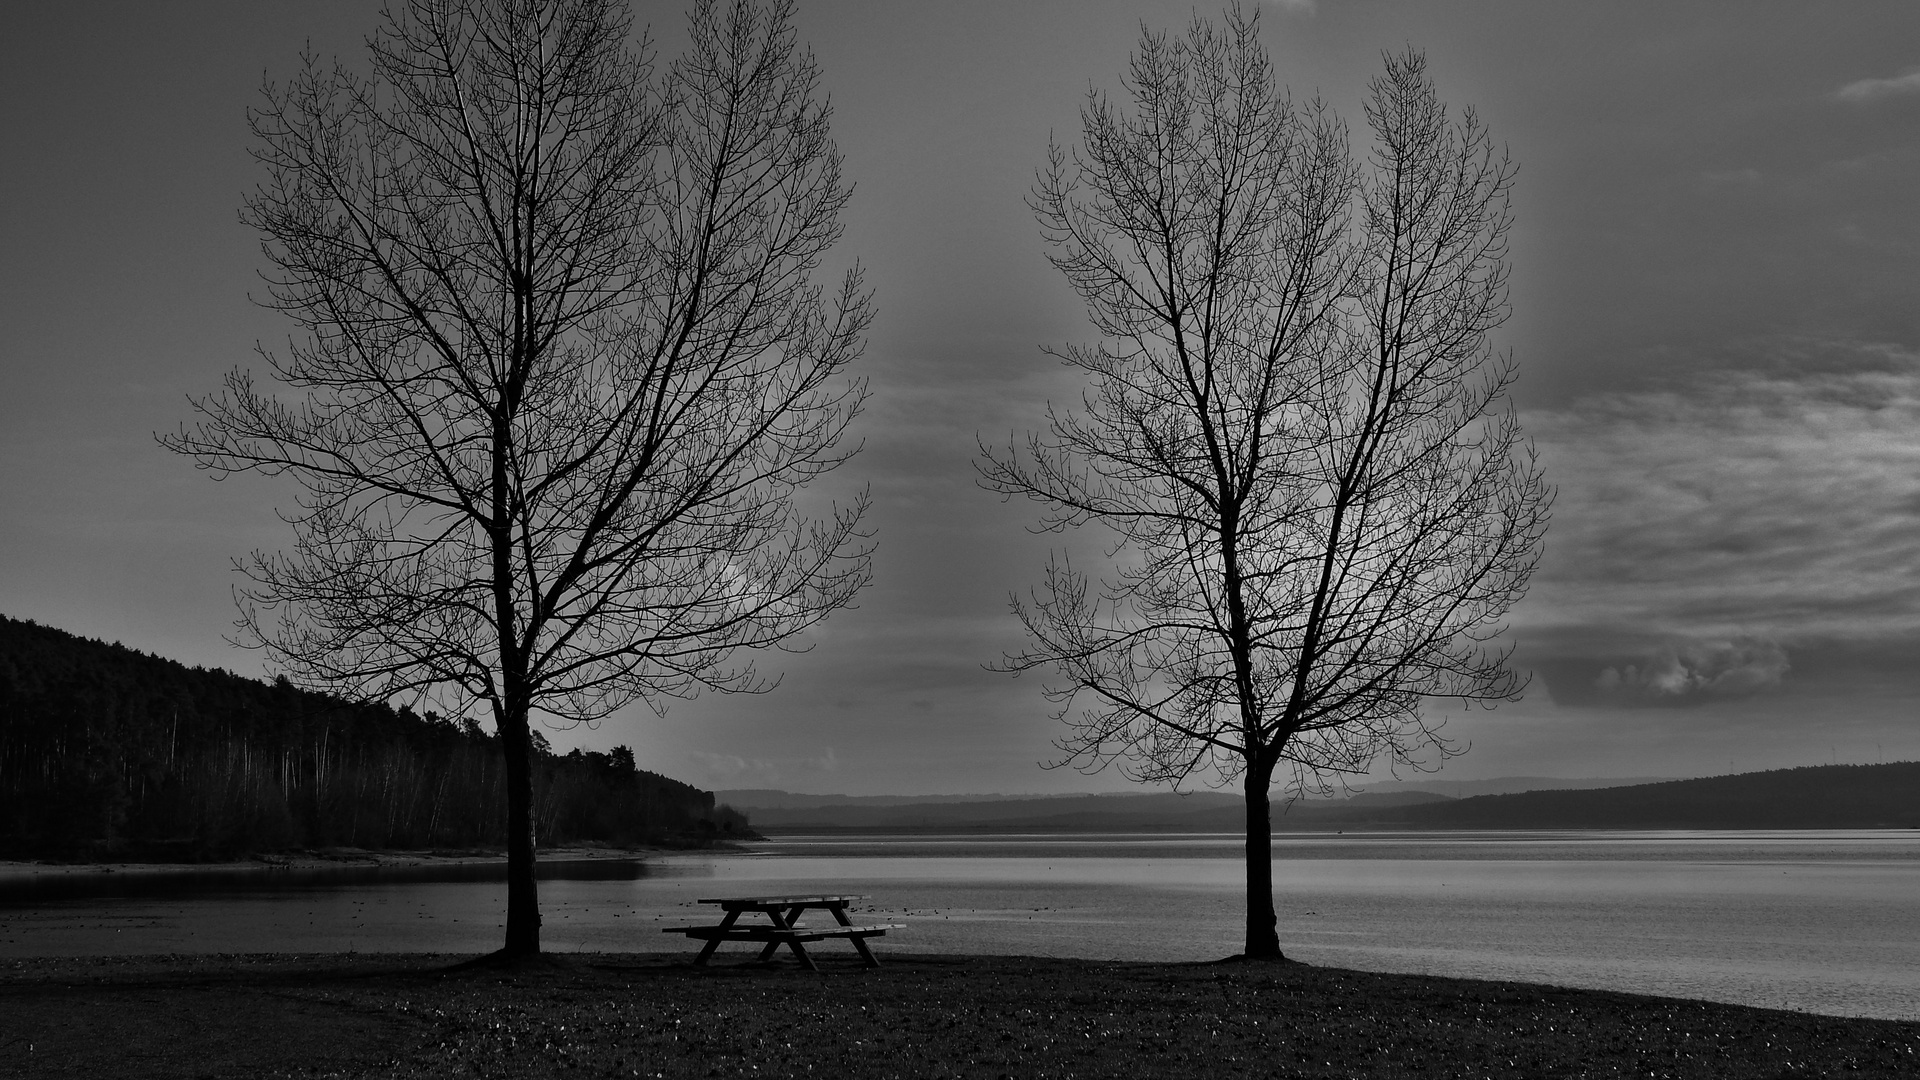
{"x": 1200, "y": 811}
{"x": 1814, "y": 797}
{"x": 1811, "y": 797}
{"x": 110, "y": 752}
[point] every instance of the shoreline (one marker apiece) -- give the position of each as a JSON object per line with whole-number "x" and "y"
{"x": 30, "y": 883}
{"x": 322, "y": 859}
{"x": 655, "y": 1014}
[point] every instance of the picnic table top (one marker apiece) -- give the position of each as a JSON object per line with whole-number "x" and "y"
{"x": 778, "y": 901}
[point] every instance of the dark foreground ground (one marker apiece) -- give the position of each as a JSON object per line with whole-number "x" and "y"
{"x": 918, "y": 1016}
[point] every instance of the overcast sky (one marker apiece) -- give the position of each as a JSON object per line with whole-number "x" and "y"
{"x": 1715, "y": 271}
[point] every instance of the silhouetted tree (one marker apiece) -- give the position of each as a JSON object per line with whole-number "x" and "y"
{"x": 565, "y": 367}
{"x": 1294, "y": 429}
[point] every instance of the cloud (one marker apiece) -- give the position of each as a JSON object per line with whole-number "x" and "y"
{"x": 1627, "y": 667}
{"x": 1296, "y": 7}
{"x": 1890, "y": 158}
{"x": 731, "y": 770}
{"x": 1866, "y": 90}
{"x": 1690, "y": 673}
{"x": 1709, "y": 530}
{"x": 1780, "y": 501}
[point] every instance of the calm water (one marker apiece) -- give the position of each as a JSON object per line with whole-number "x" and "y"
{"x": 1825, "y": 922}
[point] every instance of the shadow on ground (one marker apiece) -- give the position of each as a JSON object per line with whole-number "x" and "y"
{"x": 917, "y": 1016}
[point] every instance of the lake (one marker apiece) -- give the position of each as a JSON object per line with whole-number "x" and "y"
{"x": 1822, "y": 922}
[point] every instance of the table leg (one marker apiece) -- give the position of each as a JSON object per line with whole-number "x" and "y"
{"x": 860, "y": 943}
{"x": 714, "y": 941}
{"x": 786, "y": 923}
{"x": 799, "y": 950}
{"x": 800, "y": 954}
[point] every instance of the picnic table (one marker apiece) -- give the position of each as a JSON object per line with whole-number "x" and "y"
{"x": 783, "y": 914}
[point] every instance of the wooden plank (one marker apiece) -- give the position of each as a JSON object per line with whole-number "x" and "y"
{"x": 741, "y": 932}
{"x": 761, "y": 931}
{"x": 737, "y": 933}
{"x": 778, "y": 933}
{"x": 776, "y": 901}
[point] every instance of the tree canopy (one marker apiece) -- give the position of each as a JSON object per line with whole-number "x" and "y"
{"x": 566, "y": 367}
{"x": 1295, "y": 429}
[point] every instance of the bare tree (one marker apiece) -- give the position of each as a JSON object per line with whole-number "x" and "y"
{"x": 1294, "y": 431}
{"x": 565, "y": 368}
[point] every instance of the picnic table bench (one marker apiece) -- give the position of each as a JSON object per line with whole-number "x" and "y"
{"x": 785, "y": 928}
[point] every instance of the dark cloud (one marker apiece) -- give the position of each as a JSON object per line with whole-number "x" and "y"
{"x": 1676, "y": 674}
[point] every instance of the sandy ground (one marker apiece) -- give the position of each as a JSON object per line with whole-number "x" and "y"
{"x": 655, "y": 1014}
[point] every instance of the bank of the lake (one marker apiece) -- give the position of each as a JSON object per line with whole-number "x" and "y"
{"x": 917, "y": 1016}
{"x": 24, "y": 880}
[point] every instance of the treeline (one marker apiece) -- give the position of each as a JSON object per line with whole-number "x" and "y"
{"x": 106, "y": 752}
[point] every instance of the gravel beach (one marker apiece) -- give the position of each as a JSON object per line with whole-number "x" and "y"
{"x": 655, "y": 1014}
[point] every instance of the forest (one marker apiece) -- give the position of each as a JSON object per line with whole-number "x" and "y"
{"x": 107, "y": 752}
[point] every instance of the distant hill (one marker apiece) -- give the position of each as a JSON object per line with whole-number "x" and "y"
{"x": 858, "y": 808}
{"x": 773, "y": 799}
{"x": 1815, "y": 797}
{"x": 1200, "y": 811}
{"x": 884, "y": 812}
{"x": 107, "y": 752}
{"x": 1507, "y": 785}
{"x": 1811, "y": 797}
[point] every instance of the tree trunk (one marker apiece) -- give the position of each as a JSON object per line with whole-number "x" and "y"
{"x": 523, "y": 902}
{"x": 1263, "y": 939}
{"x": 512, "y": 715}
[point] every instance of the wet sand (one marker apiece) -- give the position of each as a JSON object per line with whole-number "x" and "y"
{"x": 655, "y": 1014}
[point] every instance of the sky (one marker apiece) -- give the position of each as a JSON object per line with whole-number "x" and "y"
{"x": 1715, "y": 267}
